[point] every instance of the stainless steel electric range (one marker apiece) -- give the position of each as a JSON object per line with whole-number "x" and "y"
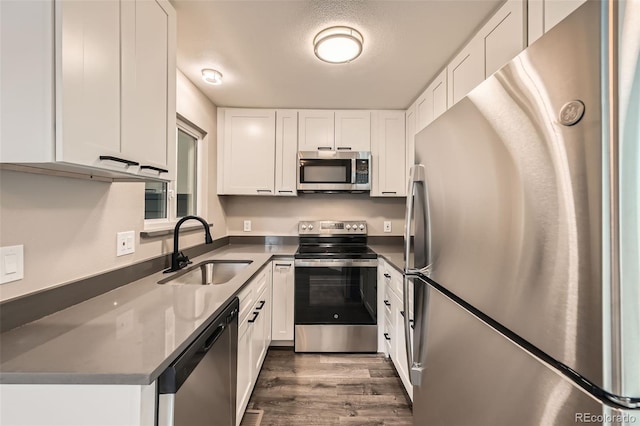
{"x": 335, "y": 288}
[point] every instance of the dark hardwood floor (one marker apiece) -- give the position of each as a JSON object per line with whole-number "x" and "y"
{"x": 329, "y": 389}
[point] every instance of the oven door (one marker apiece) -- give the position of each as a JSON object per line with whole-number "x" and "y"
{"x": 335, "y": 292}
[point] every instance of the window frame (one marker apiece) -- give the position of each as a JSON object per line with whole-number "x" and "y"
{"x": 171, "y": 198}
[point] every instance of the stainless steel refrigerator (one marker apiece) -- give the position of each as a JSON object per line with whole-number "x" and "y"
{"x": 524, "y": 205}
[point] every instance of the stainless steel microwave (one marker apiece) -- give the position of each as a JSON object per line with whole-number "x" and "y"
{"x": 334, "y": 171}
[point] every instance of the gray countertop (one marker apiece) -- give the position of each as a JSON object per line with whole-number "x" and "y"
{"x": 131, "y": 334}
{"x": 128, "y": 335}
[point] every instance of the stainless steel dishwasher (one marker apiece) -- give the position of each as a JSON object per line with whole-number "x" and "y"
{"x": 199, "y": 388}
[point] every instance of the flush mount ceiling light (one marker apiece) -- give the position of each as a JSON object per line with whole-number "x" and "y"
{"x": 212, "y": 76}
{"x": 338, "y": 45}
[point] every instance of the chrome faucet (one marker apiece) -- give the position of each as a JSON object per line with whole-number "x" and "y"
{"x": 178, "y": 259}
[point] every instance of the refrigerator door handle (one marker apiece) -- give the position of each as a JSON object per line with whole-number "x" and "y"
{"x": 414, "y": 365}
{"x": 415, "y": 176}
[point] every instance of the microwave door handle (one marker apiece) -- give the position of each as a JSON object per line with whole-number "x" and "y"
{"x": 353, "y": 171}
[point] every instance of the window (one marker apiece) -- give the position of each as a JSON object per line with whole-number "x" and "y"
{"x": 164, "y": 203}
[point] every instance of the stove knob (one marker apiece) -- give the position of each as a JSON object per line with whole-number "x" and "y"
{"x": 361, "y": 227}
{"x": 304, "y": 227}
{"x": 348, "y": 226}
{"x": 310, "y": 227}
{"x": 355, "y": 226}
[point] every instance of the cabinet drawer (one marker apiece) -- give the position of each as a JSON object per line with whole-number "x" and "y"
{"x": 387, "y": 301}
{"x": 247, "y": 300}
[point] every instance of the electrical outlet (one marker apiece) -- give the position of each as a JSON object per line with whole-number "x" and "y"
{"x": 387, "y": 226}
{"x": 125, "y": 243}
{"x": 11, "y": 263}
{"x": 247, "y": 225}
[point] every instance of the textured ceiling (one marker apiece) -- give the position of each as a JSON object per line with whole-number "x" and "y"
{"x": 264, "y": 49}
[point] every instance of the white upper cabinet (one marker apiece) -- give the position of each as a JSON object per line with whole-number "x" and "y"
{"x": 410, "y": 135}
{"x": 102, "y": 74}
{"x": 388, "y": 152}
{"x": 545, "y": 14}
{"x": 432, "y": 102}
{"x": 503, "y": 36}
{"x": 438, "y": 94}
{"x": 497, "y": 42}
{"x": 286, "y": 152}
{"x": 466, "y": 70}
{"x": 343, "y": 130}
{"x": 246, "y": 151}
{"x": 148, "y": 85}
{"x": 315, "y": 130}
{"x": 353, "y": 130}
{"x": 88, "y": 100}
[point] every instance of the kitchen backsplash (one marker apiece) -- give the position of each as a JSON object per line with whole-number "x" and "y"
{"x": 280, "y": 215}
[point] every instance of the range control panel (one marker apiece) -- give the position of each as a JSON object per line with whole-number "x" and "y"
{"x": 332, "y": 227}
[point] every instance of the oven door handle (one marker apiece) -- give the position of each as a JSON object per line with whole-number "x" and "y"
{"x": 335, "y": 263}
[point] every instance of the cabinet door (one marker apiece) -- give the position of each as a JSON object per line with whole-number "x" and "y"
{"x": 249, "y": 151}
{"x": 423, "y": 110}
{"x": 503, "y": 36}
{"x": 410, "y": 133}
{"x": 388, "y": 153}
{"x": 466, "y": 71}
{"x": 353, "y": 130}
{"x": 259, "y": 337}
{"x": 88, "y": 89}
{"x": 148, "y": 83}
{"x": 286, "y": 152}
{"x": 400, "y": 361}
{"x": 244, "y": 369}
{"x": 282, "y": 305}
{"x": 315, "y": 130}
{"x": 438, "y": 94}
{"x": 556, "y": 10}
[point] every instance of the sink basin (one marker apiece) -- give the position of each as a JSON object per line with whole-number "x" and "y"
{"x": 210, "y": 272}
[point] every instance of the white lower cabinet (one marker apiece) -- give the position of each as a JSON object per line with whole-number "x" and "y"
{"x": 254, "y": 335}
{"x": 282, "y": 320}
{"x": 393, "y": 321}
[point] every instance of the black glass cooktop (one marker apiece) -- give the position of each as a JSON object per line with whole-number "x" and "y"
{"x": 334, "y": 252}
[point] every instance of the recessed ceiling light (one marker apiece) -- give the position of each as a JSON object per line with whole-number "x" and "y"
{"x": 338, "y": 45}
{"x": 212, "y": 76}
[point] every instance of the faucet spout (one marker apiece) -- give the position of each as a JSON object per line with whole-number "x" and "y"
{"x": 178, "y": 259}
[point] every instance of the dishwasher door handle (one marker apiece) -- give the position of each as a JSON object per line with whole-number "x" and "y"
{"x": 215, "y": 336}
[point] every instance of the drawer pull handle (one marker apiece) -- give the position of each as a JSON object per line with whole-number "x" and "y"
{"x": 288, "y": 265}
{"x": 389, "y": 192}
{"x": 263, "y": 190}
{"x": 387, "y": 275}
{"x": 255, "y": 316}
{"x": 324, "y": 148}
{"x": 386, "y": 336}
{"x": 118, "y": 160}
{"x": 386, "y": 302}
{"x": 344, "y": 148}
{"x": 154, "y": 168}
{"x": 402, "y": 313}
{"x": 262, "y": 302}
{"x": 288, "y": 192}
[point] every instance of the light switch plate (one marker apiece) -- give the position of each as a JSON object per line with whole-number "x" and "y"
{"x": 125, "y": 243}
{"x": 387, "y": 226}
{"x": 247, "y": 225}
{"x": 11, "y": 263}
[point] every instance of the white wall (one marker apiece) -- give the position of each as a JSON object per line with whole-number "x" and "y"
{"x": 68, "y": 226}
{"x": 280, "y": 215}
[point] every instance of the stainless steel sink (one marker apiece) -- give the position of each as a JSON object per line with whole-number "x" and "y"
{"x": 210, "y": 272}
